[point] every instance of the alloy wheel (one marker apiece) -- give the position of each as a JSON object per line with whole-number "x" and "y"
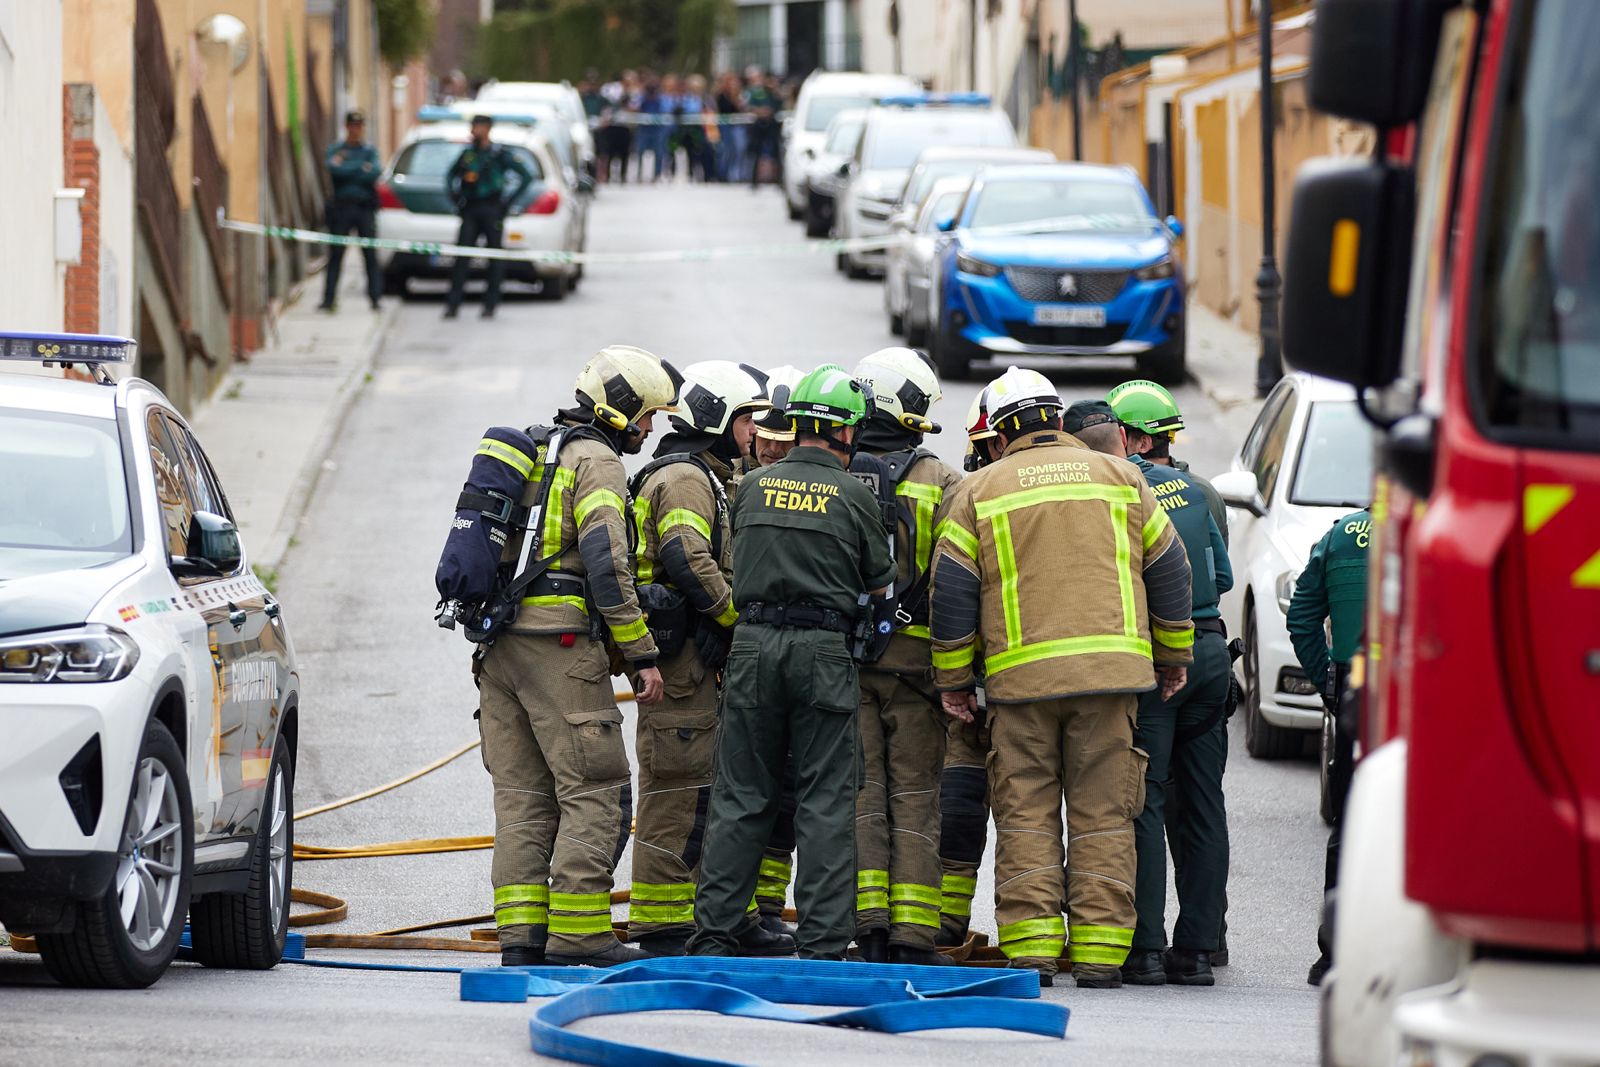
{"x": 150, "y": 857}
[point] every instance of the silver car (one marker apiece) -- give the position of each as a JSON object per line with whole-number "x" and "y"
{"x": 825, "y": 171}
{"x": 909, "y": 269}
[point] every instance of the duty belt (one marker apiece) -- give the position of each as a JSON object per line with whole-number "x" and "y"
{"x": 1210, "y": 626}
{"x": 797, "y": 617}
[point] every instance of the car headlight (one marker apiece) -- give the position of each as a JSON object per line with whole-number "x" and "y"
{"x": 973, "y": 265}
{"x": 1161, "y": 268}
{"x": 1285, "y": 589}
{"x": 86, "y": 654}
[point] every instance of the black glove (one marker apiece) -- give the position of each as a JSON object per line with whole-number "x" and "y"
{"x": 713, "y": 642}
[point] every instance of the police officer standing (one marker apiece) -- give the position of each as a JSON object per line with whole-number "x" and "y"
{"x": 684, "y": 566}
{"x": 552, "y": 734}
{"x": 1185, "y": 736}
{"x": 1059, "y": 561}
{"x": 354, "y": 166}
{"x": 812, "y": 547}
{"x": 1332, "y": 590}
{"x": 478, "y": 183}
{"x": 898, "y": 874}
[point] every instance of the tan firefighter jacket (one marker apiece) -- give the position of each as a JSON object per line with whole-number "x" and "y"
{"x": 1058, "y": 561}
{"x": 921, "y": 495}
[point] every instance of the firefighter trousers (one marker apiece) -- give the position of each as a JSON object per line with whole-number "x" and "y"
{"x": 897, "y": 810}
{"x": 1187, "y": 742}
{"x": 788, "y": 693}
{"x": 777, "y": 866}
{"x": 963, "y": 824}
{"x": 1080, "y": 747}
{"x": 552, "y": 742}
{"x": 675, "y": 742}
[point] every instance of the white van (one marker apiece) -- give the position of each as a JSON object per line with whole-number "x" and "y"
{"x": 825, "y": 94}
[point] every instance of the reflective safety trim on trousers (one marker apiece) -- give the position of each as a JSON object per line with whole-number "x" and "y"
{"x": 1173, "y": 638}
{"x": 869, "y": 878}
{"x": 514, "y": 458}
{"x": 901, "y": 892}
{"x": 729, "y": 614}
{"x": 1105, "y": 935}
{"x": 512, "y": 915}
{"x": 600, "y": 498}
{"x": 872, "y": 899}
{"x": 555, "y": 602}
{"x": 960, "y": 537}
{"x": 659, "y": 891}
{"x": 524, "y": 893}
{"x": 629, "y": 631}
{"x": 779, "y": 869}
{"x": 580, "y": 901}
{"x": 917, "y": 631}
{"x": 1046, "y": 947}
{"x": 683, "y": 517}
{"x": 580, "y": 924}
{"x": 956, "y": 658}
{"x": 1153, "y": 527}
{"x": 660, "y": 913}
{"x": 958, "y": 883}
{"x": 644, "y": 567}
{"x": 914, "y": 915}
{"x": 1115, "y": 955}
{"x": 955, "y": 904}
{"x": 926, "y": 498}
{"x": 1045, "y": 926}
{"x": 769, "y": 889}
{"x": 1066, "y": 646}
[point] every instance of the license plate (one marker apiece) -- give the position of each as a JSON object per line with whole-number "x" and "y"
{"x": 1060, "y": 315}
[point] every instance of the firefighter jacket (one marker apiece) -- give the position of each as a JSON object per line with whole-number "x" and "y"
{"x": 675, "y": 515}
{"x": 921, "y": 495}
{"x": 585, "y": 530}
{"x": 1059, "y": 561}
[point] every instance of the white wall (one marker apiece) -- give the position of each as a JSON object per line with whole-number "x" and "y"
{"x": 31, "y": 291}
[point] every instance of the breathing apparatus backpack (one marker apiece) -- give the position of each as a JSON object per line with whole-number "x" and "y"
{"x": 905, "y": 604}
{"x": 666, "y": 610}
{"x": 477, "y": 585}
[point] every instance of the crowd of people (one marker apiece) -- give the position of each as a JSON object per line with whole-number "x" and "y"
{"x": 724, "y": 129}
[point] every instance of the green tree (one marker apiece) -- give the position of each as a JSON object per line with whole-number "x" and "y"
{"x": 405, "y": 29}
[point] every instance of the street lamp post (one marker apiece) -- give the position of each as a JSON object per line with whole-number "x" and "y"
{"x": 1269, "y": 367}
{"x": 1074, "y": 56}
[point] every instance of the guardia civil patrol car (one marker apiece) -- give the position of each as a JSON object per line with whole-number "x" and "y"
{"x": 149, "y": 696}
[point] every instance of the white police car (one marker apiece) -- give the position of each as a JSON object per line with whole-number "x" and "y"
{"x": 149, "y": 697}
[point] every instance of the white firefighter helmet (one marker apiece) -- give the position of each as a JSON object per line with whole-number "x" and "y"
{"x": 622, "y": 384}
{"x": 715, "y": 392}
{"x": 1020, "y": 396}
{"x": 978, "y": 428}
{"x": 774, "y": 424}
{"x": 904, "y": 386}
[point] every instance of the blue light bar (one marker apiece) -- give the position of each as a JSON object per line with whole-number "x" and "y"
{"x": 938, "y": 100}
{"x": 86, "y": 348}
{"x": 465, "y": 112}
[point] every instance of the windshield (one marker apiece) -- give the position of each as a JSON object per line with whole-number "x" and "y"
{"x": 1539, "y": 359}
{"x": 843, "y": 136}
{"x": 942, "y": 208}
{"x": 923, "y": 178}
{"x": 1334, "y": 469}
{"x": 1101, "y": 205}
{"x": 63, "y": 495}
{"x": 820, "y": 111}
{"x": 432, "y": 160}
{"x": 901, "y": 136}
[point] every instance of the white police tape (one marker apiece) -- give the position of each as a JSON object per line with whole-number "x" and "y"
{"x": 830, "y": 245}
{"x": 686, "y": 119}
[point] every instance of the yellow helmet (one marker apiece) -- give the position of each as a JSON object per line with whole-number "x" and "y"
{"x": 621, "y": 384}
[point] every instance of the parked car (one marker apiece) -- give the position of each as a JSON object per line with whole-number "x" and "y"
{"x": 1306, "y": 463}
{"x": 826, "y": 169}
{"x": 822, "y": 96}
{"x": 562, "y": 97}
{"x": 149, "y": 695}
{"x": 897, "y": 132}
{"x": 910, "y": 264}
{"x": 906, "y": 307}
{"x": 414, "y": 204}
{"x": 1061, "y": 260}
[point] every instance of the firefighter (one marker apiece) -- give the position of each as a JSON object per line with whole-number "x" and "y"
{"x": 964, "y": 785}
{"x": 552, "y": 734}
{"x": 684, "y": 566}
{"x": 811, "y": 547}
{"x": 1150, "y": 408}
{"x": 1185, "y": 737}
{"x": 902, "y": 726}
{"x": 1060, "y": 561}
{"x": 774, "y": 428}
{"x": 1332, "y": 592}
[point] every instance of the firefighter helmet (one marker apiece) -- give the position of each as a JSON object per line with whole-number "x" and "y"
{"x": 978, "y": 429}
{"x": 774, "y": 423}
{"x": 1146, "y": 406}
{"x": 622, "y": 384}
{"x": 715, "y": 392}
{"x": 1019, "y": 397}
{"x": 829, "y": 394}
{"x": 904, "y": 387}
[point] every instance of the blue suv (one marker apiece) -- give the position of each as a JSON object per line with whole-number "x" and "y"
{"x": 1058, "y": 260}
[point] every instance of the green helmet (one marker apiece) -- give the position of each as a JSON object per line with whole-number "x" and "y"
{"x": 829, "y": 394}
{"x": 1145, "y": 406}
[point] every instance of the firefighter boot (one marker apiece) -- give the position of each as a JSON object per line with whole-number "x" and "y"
{"x": 522, "y": 955}
{"x": 873, "y": 946}
{"x": 609, "y": 956}
{"x": 1096, "y": 976}
{"x": 919, "y": 957}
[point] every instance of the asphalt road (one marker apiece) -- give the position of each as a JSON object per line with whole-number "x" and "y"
{"x": 385, "y": 691}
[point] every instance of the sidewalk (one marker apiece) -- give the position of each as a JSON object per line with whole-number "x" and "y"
{"x": 274, "y": 417}
{"x": 1222, "y": 359}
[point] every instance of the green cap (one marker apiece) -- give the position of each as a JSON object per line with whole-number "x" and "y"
{"x": 830, "y": 394}
{"x": 1145, "y": 406}
{"x": 1086, "y": 413}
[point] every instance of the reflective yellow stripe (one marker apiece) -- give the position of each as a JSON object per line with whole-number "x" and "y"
{"x": 917, "y": 631}
{"x": 1047, "y": 926}
{"x": 771, "y": 889}
{"x": 661, "y": 913}
{"x": 872, "y": 899}
{"x": 914, "y": 915}
{"x": 555, "y": 601}
{"x": 1009, "y": 579}
{"x": 922, "y": 894}
{"x": 1541, "y": 503}
{"x": 662, "y": 891}
{"x": 954, "y": 659}
{"x": 1043, "y": 947}
{"x": 958, "y": 883}
{"x": 955, "y": 904}
{"x": 926, "y": 499}
{"x": 600, "y": 498}
{"x": 561, "y": 482}
{"x": 780, "y": 869}
{"x": 631, "y": 631}
{"x": 643, "y": 565}
{"x": 960, "y": 537}
{"x": 532, "y": 915}
{"x": 872, "y": 879}
{"x": 580, "y": 924}
{"x": 1104, "y": 935}
{"x": 1027, "y": 498}
{"x": 514, "y": 458}
{"x": 520, "y": 894}
{"x": 1119, "y": 531}
{"x": 580, "y": 901}
{"x": 1173, "y": 638}
{"x": 1154, "y": 527}
{"x": 1065, "y": 646}
{"x": 683, "y": 517}
{"x": 1111, "y": 954}
{"x": 728, "y": 615}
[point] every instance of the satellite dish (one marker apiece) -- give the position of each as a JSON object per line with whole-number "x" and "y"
{"x": 229, "y": 32}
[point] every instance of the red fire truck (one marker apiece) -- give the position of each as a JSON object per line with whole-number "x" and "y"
{"x": 1454, "y": 279}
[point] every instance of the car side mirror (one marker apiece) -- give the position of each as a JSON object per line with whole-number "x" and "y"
{"x": 1238, "y": 489}
{"x": 1174, "y": 226}
{"x": 213, "y": 547}
{"x": 844, "y": 170}
{"x": 945, "y": 223}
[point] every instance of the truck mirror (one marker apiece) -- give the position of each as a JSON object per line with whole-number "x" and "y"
{"x": 1347, "y": 269}
{"x": 1372, "y": 61}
